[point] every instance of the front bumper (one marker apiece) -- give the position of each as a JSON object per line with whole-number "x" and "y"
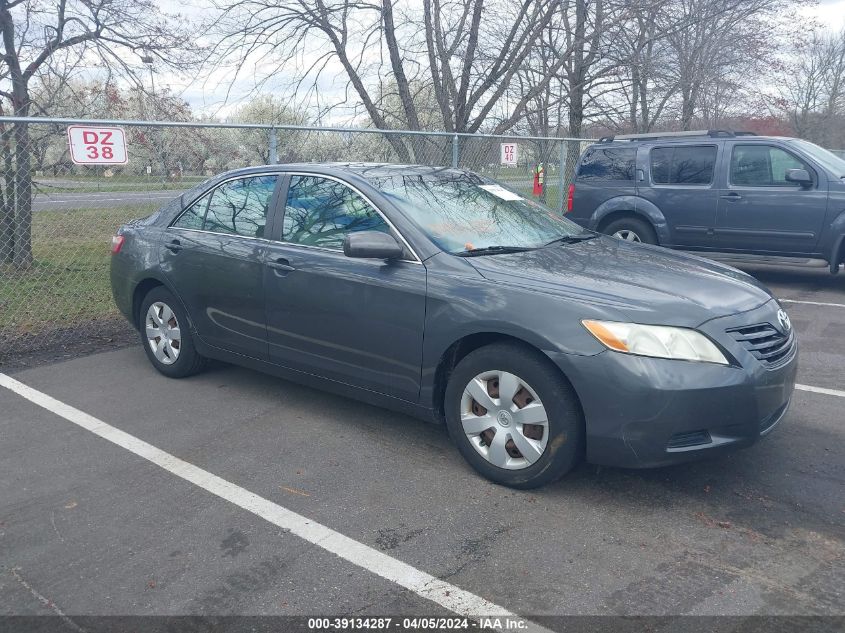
{"x": 644, "y": 412}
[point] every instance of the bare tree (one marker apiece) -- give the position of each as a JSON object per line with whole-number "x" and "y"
{"x": 812, "y": 92}
{"x": 645, "y": 83}
{"x": 720, "y": 38}
{"x": 466, "y": 51}
{"x": 269, "y": 110}
{"x": 586, "y": 25}
{"x": 34, "y": 33}
{"x": 682, "y": 61}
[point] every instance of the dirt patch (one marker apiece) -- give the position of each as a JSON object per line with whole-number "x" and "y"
{"x": 58, "y": 344}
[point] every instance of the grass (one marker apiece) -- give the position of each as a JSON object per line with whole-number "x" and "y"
{"x": 69, "y": 281}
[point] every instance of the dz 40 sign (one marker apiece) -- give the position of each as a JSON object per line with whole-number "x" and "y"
{"x": 510, "y": 154}
{"x": 97, "y": 145}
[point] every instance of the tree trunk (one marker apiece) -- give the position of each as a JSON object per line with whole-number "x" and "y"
{"x": 7, "y": 200}
{"x": 688, "y": 99}
{"x": 573, "y": 149}
{"x": 576, "y": 80}
{"x": 22, "y": 168}
{"x": 23, "y": 197}
{"x": 576, "y": 125}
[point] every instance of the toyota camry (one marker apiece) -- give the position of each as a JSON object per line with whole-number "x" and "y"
{"x": 443, "y": 294}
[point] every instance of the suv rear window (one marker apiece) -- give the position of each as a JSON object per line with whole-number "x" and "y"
{"x": 608, "y": 163}
{"x": 684, "y": 165}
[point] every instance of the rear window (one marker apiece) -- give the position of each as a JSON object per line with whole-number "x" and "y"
{"x": 685, "y": 165}
{"x": 608, "y": 163}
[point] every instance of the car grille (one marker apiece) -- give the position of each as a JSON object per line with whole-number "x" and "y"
{"x": 766, "y": 343}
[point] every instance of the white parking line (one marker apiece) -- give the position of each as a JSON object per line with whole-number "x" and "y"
{"x": 425, "y": 585}
{"x": 814, "y": 303}
{"x": 825, "y": 391}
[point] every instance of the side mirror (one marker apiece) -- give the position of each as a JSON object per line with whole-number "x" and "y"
{"x": 799, "y": 176}
{"x": 372, "y": 245}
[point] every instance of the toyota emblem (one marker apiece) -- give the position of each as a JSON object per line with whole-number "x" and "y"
{"x": 785, "y": 324}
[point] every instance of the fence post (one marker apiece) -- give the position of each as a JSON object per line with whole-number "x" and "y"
{"x": 273, "y": 151}
{"x": 455, "y": 151}
{"x": 562, "y": 176}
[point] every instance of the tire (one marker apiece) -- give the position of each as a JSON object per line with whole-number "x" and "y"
{"x": 555, "y": 448}
{"x": 177, "y": 357}
{"x": 632, "y": 230}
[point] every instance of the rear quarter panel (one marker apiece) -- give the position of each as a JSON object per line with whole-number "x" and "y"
{"x": 136, "y": 261}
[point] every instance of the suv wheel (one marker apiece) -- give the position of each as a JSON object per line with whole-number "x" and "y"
{"x": 513, "y": 416}
{"x": 632, "y": 230}
{"x": 166, "y": 336}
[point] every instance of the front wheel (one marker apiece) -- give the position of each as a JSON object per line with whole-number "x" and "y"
{"x": 513, "y": 416}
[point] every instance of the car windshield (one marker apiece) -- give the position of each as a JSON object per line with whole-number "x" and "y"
{"x": 825, "y": 157}
{"x": 462, "y": 212}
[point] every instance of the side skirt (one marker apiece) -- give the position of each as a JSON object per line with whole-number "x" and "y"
{"x": 318, "y": 382}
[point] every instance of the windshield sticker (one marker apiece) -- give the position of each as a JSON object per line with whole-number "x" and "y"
{"x": 501, "y": 192}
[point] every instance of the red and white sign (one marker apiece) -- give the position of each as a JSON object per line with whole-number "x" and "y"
{"x": 97, "y": 145}
{"x": 509, "y": 154}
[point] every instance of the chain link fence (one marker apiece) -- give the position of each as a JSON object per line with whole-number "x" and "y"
{"x": 57, "y": 217}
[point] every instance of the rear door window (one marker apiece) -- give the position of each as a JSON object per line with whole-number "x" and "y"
{"x": 240, "y": 206}
{"x": 237, "y": 207}
{"x": 194, "y": 215}
{"x": 683, "y": 165}
{"x": 608, "y": 163}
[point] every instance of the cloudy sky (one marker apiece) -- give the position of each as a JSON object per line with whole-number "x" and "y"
{"x": 220, "y": 93}
{"x": 830, "y": 12}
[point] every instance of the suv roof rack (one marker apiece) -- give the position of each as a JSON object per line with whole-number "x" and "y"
{"x": 669, "y": 135}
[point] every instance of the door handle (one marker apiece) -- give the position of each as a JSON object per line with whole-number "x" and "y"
{"x": 175, "y": 246}
{"x": 281, "y": 266}
{"x": 732, "y": 196}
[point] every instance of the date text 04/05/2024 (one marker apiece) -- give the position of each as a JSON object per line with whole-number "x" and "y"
{"x": 417, "y": 623}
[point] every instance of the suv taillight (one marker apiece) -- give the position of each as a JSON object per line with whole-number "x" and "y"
{"x": 570, "y": 194}
{"x": 117, "y": 244}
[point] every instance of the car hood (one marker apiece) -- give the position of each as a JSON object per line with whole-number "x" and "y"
{"x": 649, "y": 284}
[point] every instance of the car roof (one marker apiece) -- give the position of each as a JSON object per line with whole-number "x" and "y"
{"x": 695, "y": 137}
{"x": 362, "y": 170}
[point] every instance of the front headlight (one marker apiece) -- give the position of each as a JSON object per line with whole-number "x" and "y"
{"x": 658, "y": 341}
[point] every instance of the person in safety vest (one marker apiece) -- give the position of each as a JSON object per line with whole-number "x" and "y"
{"x": 539, "y": 179}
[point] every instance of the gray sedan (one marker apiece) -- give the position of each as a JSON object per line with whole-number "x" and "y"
{"x": 442, "y": 294}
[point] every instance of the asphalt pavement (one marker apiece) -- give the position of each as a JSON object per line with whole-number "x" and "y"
{"x": 90, "y": 527}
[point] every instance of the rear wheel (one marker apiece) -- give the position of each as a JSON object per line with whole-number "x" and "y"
{"x": 632, "y": 230}
{"x": 166, "y": 336}
{"x": 513, "y": 416}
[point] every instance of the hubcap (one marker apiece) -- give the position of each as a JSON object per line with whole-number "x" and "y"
{"x": 628, "y": 235}
{"x": 504, "y": 420}
{"x": 163, "y": 334}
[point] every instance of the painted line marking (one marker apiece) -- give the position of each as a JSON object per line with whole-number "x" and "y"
{"x": 46, "y": 601}
{"x": 814, "y": 303}
{"x": 824, "y": 390}
{"x": 419, "y": 582}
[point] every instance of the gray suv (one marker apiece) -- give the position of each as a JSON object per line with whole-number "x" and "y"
{"x": 733, "y": 195}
